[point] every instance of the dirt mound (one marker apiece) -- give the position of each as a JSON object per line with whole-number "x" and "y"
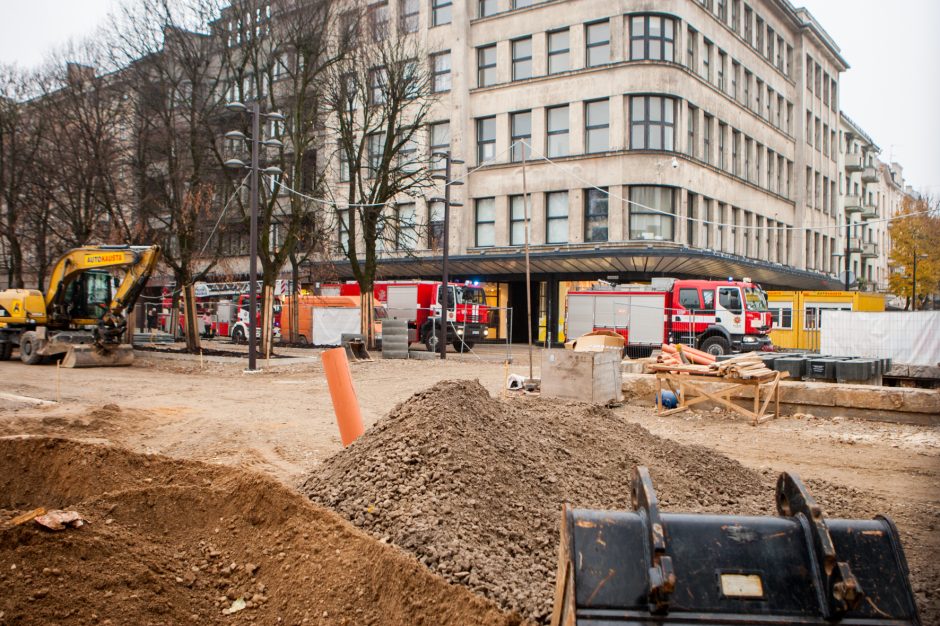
{"x": 474, "y": 486}
{"x": 173, "y": 542}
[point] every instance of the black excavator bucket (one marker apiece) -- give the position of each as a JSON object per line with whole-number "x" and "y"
{"x": 645, "y": 567}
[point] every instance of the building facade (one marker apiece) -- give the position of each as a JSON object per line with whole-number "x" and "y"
{"x": 677, "y": 138}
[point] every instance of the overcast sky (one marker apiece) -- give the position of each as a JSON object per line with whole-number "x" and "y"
{"x": 892, "y": 89}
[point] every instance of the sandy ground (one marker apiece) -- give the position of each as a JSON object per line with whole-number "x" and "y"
{"x": 280, "y": 421}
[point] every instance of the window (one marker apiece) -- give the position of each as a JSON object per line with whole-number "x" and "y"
{"x": 343, "y": 166}
{"x": 378, "y": 20}
{"x": 376, "y": 147}
{"x": 730, "y": 298}
{"x": 488, "y": 7}
{"x": 748, "y": 30}
{"x": 521, "y": 126}
{"x": 521, "y": 4}
{"x": 597, "y": 126}
{"x": 440, "y": 67}
{"x": 735, "y": 15}
{"x": 652, "y": 123}
{"x": 779, "y": 119}
{"x": 435, "y": 225}
{"x": 693, "y": 117}
{"x": 691, "y": 51}
{"x": 557, "y": 131}
{"x": 707, "y": 61}
{"x": 408, "y": 16}
{"x": 735, "y": 78}
{"x": 771, "y": 160}
{"x": 782, "y": 317}
{"x": 517, "y": 220}
{"x": 722, "y": 129}
{"x": 758, "y": 95}
{"x": 522, "y": 58}
{"x": 759, "y": 44}
{"x": 439, "y": 142}
{"x": 747, "y": 158}
{"x": 486, "y": 66}
{"x": 342, "y": 217}
{"x": 651, "y": 213}
{"x": 597, "y": 38}
{"x": 722, "y": 61}
{"x": 559, "y": 52}
{"x": 556, "y": 217}
{"x": 408, "y": 152}
{"x": 707, "y": 138}
{"x": 441, "y": 12}
{"x": 378, "y": 78}
{"x": 735, "y": 141}
{"x": 652, "y": 37}
{"x": 722, "y": 7}
{"x": 595, "y": 214}
{"x": 688, "y": 299}
{"x": 486, "y": 222}
{"x": 407, "y": 229}
{"x": 747, "y": 89}
{"x": 486, "y": 139}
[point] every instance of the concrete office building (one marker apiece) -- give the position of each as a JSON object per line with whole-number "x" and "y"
{"x": 686, "y": 138}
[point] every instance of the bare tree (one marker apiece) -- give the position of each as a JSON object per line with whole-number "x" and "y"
{"x": 85, "y": 153}
{"x": 282, "y": 60}
{"x": 21, "y": 136}
{"x": 173, "y": 74}
{"x": 380, "y": 99}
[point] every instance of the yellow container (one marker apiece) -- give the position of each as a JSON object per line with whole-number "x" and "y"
{"x": 799, "y": 314}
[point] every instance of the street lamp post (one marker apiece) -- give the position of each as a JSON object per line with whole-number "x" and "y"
{"x": 256, "y": 141}
{"x": 445, "y": 244}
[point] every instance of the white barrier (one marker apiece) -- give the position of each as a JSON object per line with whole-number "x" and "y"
{"x": 904, "y": 337}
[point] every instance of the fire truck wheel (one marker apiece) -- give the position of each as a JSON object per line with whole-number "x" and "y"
{"x": 716, "y": 346}
{"x": 238, "y": 336}
{"x": 463, "y": 346}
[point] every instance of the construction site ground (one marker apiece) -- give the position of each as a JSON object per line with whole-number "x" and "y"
{"x": 280, "y": 422}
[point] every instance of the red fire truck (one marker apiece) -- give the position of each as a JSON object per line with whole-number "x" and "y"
{"x": 419, "y": 302}
{"x": 718, "y": 317}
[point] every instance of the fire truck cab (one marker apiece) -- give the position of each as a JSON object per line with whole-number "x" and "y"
{"x": 718, "y": 317}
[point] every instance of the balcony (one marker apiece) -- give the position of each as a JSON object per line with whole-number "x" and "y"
{"x": 869, "y": 250}
{"x": 869, "y": 210}
{"x": 853, "y": 162}
{"x": 855, "y": 244}
{"x": 869, "y": 175}
{"x": 853, "y": 204}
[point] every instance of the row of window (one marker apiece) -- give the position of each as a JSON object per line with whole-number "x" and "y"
{"x": 651, "y": 37}
{"x": 819, "y": 83}
{"x": 820, "y": 136}
{"x": 820, "y": 192}
{"x": 652, "y": 126}
{"x": 757, "y": 33}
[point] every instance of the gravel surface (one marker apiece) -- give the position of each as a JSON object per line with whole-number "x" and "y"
{"x": 473, "y": 486}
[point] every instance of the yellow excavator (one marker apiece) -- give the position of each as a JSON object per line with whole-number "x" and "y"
{"x": 83, "y": 315}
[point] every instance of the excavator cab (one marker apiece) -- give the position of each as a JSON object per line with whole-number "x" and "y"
{"x": 88, "y": 296}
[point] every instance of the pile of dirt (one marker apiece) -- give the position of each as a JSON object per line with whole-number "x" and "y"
{"x": 474, "y": 486}
{"x": 174, "y": 542}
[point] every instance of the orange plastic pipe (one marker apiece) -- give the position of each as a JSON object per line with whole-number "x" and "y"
{"x": 710, "y": 358}
{"x": 668, "y": 348}
{"x": 345, "y": 403}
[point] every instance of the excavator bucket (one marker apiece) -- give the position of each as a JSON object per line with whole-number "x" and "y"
{"x": 645, "y": 567}
{"x": 88, "y": 355}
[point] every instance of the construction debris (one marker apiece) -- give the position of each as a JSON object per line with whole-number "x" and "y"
{"x": 60, "y": 520}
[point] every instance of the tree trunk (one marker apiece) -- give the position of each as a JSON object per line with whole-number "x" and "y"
{"x": 294, "y": 300}
{"x": 267, "y": 320}
{"x": 191, "y": 323}
{"x": 367, "y": 316}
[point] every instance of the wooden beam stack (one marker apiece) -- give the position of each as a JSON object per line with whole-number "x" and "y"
{"x": 744, "y": 366}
